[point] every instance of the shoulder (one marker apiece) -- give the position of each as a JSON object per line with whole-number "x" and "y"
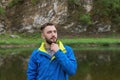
{"x": 69, "y": 51}
{"x": 35, "y": 52}
{"x": 34, "y": 55}
{"x": 68, "y": 48}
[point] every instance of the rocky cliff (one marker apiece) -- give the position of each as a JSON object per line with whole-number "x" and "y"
{"x": 26, "y": 16}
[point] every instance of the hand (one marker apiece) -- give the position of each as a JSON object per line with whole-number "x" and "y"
{"x": 54, "y": 47}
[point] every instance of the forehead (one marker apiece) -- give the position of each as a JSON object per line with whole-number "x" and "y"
{"x": 50, "y": 28}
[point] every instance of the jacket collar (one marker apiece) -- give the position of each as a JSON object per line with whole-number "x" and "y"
{"x": 60, "y": 44}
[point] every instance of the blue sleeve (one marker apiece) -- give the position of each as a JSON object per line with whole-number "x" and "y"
{"x": 32, "y": 67}
{"x": 67, "y": 60}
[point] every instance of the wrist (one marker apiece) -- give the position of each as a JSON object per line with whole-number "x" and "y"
{"x": 56, "y": 50}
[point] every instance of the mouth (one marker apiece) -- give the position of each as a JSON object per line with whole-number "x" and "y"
{"x": 53, "y": 39}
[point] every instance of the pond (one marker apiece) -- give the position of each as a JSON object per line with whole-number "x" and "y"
{"x": 93, "y": 63}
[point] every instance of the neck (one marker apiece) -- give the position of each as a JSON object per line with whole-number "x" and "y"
{"x": 47, "y": 45}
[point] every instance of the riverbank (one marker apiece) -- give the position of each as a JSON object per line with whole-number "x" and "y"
{"x": 14, "y": 65}
{"x": 26, "y": 42}
{"x": 94, "y": 55}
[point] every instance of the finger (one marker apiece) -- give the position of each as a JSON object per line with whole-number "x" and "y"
{"x": 52, "y": 43}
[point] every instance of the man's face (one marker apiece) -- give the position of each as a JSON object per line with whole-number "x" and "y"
{"x": 50, "y": 34}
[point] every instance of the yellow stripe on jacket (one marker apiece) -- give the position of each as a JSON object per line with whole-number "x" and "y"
{"x": 60, "y": 44}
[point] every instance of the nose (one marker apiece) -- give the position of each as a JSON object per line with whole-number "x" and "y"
{"x": 53, "y": 33}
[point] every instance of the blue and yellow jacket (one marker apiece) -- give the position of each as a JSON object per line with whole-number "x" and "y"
{"x": 42, "y": 66}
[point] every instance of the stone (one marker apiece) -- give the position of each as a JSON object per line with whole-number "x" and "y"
{"x": 14, "y": 36}
{"x": 2, "y": 30}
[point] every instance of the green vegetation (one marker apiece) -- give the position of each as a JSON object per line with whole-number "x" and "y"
{"x": 85, "y": 19}
{"x": 7, "y": 51}
{"x": 25, "y": 44}
{"x": 104, "y": 11}
{"x": 78, "y": 41}
{"x": 19, "y": 41}
{"x": 18, "y": 45}
{"x": 92, "y": 40}
{"x": 96, "y": 48}
{"x": 2, "y": 11}
{"x": 34, "y": 2}
{"x": 15, "y": 2}
{"x": 110, "y": 10}
{"x": 30, "y": 42}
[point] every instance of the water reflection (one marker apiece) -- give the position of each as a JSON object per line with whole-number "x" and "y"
{"x": 98, "y": 65}
{"x": 12, "y": 67}
{"x": 93, "y": 64}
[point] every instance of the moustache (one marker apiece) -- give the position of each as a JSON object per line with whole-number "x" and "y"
{"x": 53, "y": 37}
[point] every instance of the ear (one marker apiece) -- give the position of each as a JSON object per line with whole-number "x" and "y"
{"x": 42, "y": 35}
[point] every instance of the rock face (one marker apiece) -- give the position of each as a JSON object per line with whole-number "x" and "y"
{"x": 2, "y": 30}
{"x": 26, "y": 16}
{"x": 52, "y": 11}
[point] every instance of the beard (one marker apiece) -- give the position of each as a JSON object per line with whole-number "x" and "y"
{"x": 49, "y": 41}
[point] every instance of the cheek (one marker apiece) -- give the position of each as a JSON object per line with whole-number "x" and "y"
{"x": 56, "y": 35}
{"x": 47, "y": 36}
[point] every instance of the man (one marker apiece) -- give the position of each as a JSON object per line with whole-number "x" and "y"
{"x": 53, "y": 60}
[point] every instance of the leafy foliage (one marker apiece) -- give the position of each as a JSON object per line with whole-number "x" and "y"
{"x": 34, "y": 1}
{"x": 85, "y": 19}
{"x": 15, "y": 2}
{"x": 107, "y": 10}
{"x": 78, "y": 12}
{"x": 103, "y": 11}
{"x": 2, "y": 11}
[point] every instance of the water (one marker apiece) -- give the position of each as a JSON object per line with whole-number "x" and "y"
{"x": 93, "y": 64}
{"x": 98, "y": 65}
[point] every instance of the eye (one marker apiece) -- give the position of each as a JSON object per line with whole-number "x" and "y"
{"x": 49, "y": 32}
{"x": 55, "y": 31}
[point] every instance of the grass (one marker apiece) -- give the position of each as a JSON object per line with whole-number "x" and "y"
{"x": 92, "y": 40}
{"x": 25, "y": 51}
{"x": 77, "y": 43}
{"x": 96, "y": 48}
{"x": 35, "y": 39}
{"x": 21, "y": 41}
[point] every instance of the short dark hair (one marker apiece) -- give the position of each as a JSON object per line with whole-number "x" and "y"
{"x": 45, "y": 25}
